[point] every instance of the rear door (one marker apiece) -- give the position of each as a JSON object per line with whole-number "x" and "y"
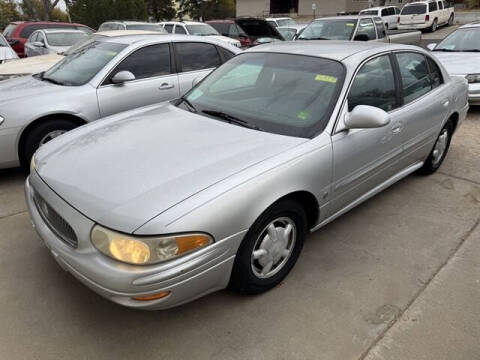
{"x": 155, "y": 81}
{"x": 195, "y": 60}
{"x": 364, "y": 158}
{"x": 413, "y": 14}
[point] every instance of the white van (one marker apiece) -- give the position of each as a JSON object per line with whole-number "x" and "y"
{"x": 389, "y": 15}
{"x": 426, "y": 15}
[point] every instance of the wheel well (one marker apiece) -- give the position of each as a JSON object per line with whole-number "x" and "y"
{"x": 454, "y": 118}
{"x": 33, "y": 124}
{"x": 309, "y": 203}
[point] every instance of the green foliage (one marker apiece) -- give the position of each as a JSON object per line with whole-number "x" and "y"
{"x": 95, "y": 12}
{"x": 8, "y": 12}
{"x": 160, "y": 10}
{"x": 207, "y": 10}
{"x": 42, "y": 10}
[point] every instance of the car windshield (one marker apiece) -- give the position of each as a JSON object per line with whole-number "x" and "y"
{"x": 203, "y": 30}
{"x": 329, "y": 30}
{"x": 461, "y": 40}
{"x": 286, "y": 22}
{"x": 3, "y": 42}
{"x": 287, "y": 33}
{"x": 279, "y": 93}
{"x": 414, "y": 9}
{"x": 65, "y": 38}
{"x": 147, "y": 27}
{"x": 369, "y": 12}
{"x": 81, "y": 66}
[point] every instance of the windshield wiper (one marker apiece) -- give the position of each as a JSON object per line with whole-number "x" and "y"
{"x": 53, "y": 81}
{"x": 231, "y": 119}
{"x": 446, "y": 50}
{"x": 471, "y": 50}
{"x": 314, "y": 38}
{"x": 188, "y": 104}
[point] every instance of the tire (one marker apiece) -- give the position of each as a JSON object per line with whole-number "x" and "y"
{"x": 451, "y": 20}
{"x": 434, "y": 26}
{"x": 246, "y": 275}
{"x": 386, "y": 26}
{"x": 41, "y": 134}
{"x": 435, "y": 160}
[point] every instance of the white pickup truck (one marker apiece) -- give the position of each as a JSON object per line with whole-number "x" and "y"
{"x": 426, "y": 15}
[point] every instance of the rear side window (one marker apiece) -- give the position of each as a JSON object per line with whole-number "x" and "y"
{"x": 414, "y": 74}
{"x": 365, "y": 27}
{"x": 432, "y": 6}
{"x": 106, "y": 27}
{"x": 169, "y": 28}
{"x": 222, "y": 28}
{"x": 8, "y": 32}
{"x": 197, "y": 56}
{"x": 179, "y": 30}
{"x": 440, "y": 5}
{"x": 397, "y": 11}
{"x": 147, "y": 62}
{"x": 29, "y": 29}
{"x": 416, "y": 9}
{"x": 374, "y": 85}
{"x": 435, "y": 73}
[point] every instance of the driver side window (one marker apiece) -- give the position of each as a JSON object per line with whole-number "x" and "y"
{"x": 374, "y": 85}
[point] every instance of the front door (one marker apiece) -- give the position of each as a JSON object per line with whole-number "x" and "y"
{"x": 154, "y": 82}
{"x": 364, "y": 158}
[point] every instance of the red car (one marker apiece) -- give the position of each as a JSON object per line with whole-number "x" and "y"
{"x": 18, "y": 32}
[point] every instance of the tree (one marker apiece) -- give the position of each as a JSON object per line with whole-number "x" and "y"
{"x": 42, "y": 10}
{"x": 161, "y": 9}
{"x": 207, "y": 9}
{"x": 8, "y": 12}
{"x": 95, "y": 12}
{"x": 48, "y": 6}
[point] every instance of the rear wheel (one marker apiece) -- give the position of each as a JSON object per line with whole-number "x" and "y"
{"x": 439, "y": 151}
{"x": 434, "y": 26}
{"x": 450, "y": 20}
{"x": 41, "y": 134}
{"x": 270, "y": 249}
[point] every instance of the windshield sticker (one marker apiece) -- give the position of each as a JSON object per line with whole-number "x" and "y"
{"x": 303, "y": 115}
{"x": 350, "y": 24}
{"x": 326, "y": 78}
{"x": 112, "y": 53}
{"x": 195, "y": 94}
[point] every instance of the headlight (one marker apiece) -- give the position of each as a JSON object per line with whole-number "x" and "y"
{"x": 146, "y": 250}
{"x": 473, "y": 78}
{"x": 32, "y": 164}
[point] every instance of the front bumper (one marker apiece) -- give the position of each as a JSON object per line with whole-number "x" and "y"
{"x": 474, "y": 94}
{"x": 187, "y": 278}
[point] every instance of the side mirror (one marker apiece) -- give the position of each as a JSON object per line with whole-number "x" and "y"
{"x": 361, "y": 37}
{"x": 364, "y": 116}
{"x": 431, "y": 46}
{"x": 39, "y": 44}
{"x": 123, "y": 77}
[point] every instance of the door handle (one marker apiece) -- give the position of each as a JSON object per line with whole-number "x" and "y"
{"x": 397, "y": 128}
{"x": 166, "y": 86}
{"x": 446, "y": 103}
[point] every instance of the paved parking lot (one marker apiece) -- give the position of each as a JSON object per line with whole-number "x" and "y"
{"x": 396, "y": 278}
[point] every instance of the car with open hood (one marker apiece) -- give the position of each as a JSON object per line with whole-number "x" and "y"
{"x": 102, "y": 77}
{"x": 158, "y": 206}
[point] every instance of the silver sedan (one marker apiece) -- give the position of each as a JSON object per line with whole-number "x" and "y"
{"x": 159, "y": 206}
{"x": 52, "y": 41}
{"x": 105, "y": 76}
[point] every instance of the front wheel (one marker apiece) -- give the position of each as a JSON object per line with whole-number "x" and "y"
{"x": 440, "y": 149}
{"x": 40, "y": 135}
{"x": 270, "y": 249}
{"x": 434, "y": 26}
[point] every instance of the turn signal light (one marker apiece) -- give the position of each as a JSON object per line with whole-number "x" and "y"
{"x": 152, "y": 296}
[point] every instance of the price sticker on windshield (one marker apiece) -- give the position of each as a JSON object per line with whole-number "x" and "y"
{"x": 326, "y": 78}
{"x": 350, "y": 24}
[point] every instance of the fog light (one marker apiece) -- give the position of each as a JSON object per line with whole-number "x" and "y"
{"x": 152, "y": 296}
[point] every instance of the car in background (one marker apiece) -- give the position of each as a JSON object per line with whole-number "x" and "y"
{"x": 389, "y": 15}
{"x": 290, "y": 32}
{"x": 196, "y": 28}
{"x": 281, "y": 21}
{"x": 103, "y": 77}
{"x": 18, "y": 32}
{"x": 425, "y": 15}
{"x": 37, "y": 64}
{"x": 157, "y": 207}
{"x": 6, "y": 52}
{"x": 130, "y": 25}
{"x": 249, "y": 31}
{"x": 357, "y": 28}
{"x": 52, "y": 41}
{"x": 459, "y": 54}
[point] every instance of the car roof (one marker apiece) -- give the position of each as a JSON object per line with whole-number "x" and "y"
{"x": 183, "y": 22}
{"x": 379, "y": 7}
{"x": 45, "y": 23}
{"x": 330, "y": 49}
{"x": 156, "y": 37}
{"x": 128, "y": 22}
{"x": 112, "y": 33}
{"x": 346, "y": 17}
{"x": 53, "y": 30}
{"x": 279, "y": 18}
{"x": 475, "y": 24}
{"x": 219, "y": 21}
{"x": 420, "y": 2}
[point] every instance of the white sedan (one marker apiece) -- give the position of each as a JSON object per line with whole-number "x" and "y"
{"x": 6, "y": 52}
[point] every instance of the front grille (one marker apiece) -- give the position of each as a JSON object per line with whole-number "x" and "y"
{"x": 55, "y": 222}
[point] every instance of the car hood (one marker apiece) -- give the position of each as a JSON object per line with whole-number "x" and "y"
{"x": 25, "y": 87}
{"x": 7, "y": 53}
{"x": 459, "y": 63}
{"x": 124, "y": 172}
{"x": 31, "y": 65}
